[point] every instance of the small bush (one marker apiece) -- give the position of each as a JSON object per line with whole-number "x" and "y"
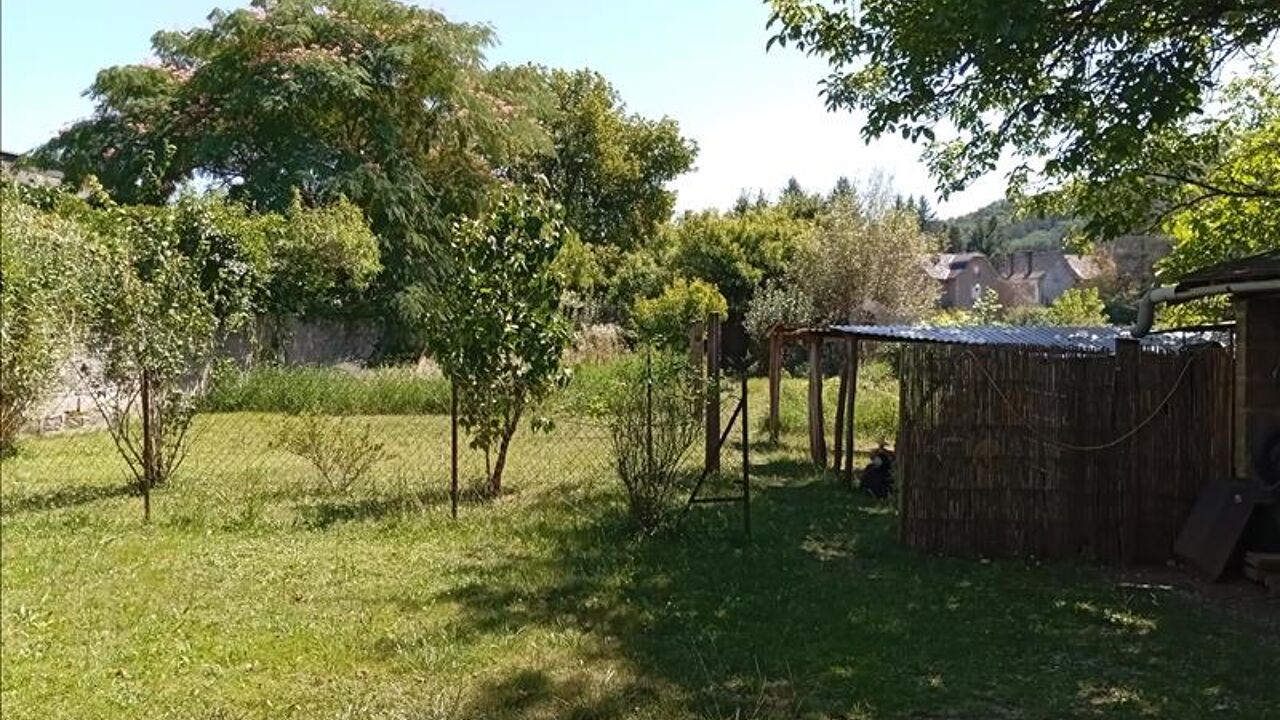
{"x": 653, "y": 418}
{"x": 342, "y": 451}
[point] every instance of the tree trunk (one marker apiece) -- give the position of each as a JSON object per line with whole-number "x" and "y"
{"x": 500, "y": 464}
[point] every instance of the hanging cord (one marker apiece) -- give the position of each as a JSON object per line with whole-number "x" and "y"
{"x": 1083, "y": 448}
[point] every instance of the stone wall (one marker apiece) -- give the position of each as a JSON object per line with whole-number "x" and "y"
{"x": 292, "y": 341}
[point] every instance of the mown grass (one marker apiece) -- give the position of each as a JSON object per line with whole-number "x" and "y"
{"x": 876, "y": 405}
{"x": 249, "y": 597}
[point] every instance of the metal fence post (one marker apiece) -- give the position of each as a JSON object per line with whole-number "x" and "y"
{"x": 712, "y": 456}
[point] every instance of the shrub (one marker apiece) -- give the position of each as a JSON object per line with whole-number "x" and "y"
{"x": 664, "y": 321}
{"x": 39, "y": 277}
{"x": 653, "y": 421}
{"x": 342, "y": 451}
{"x": 1078, "y": 307}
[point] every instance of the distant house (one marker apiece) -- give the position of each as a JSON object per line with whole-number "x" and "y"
{"x": 1029, "y": 278}
{"x": 1042, "y": 275}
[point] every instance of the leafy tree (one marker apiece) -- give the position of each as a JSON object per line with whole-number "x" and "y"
{"x": 1211, "y": 227}
{"x": 497, "y": 329}
{"x": 384, "y": 103}
{"x": 778, "y": 304}
{"x": 608, "y": 168}
{"x": 1076, "y": 91}
{"x": 797, "y": 203}
{"x": 169, "y": 279}
{"x": 666, "y": 319}
{"x": 862, "y": 264}
{"x": 735, "y": 253}
{"x": 1082, "y": 307}
{"x": 42, "y": 270}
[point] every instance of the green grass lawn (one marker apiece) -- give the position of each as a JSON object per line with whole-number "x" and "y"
{"x": 249, "y": 597}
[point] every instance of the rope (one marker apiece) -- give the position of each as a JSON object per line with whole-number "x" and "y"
{"x": 1083, "y": 448}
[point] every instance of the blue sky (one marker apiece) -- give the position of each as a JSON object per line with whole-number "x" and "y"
{"x": 756, "y": 116}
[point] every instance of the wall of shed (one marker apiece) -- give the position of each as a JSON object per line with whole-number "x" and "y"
{"x": 1257, "y": 403}
{"x": 1019, "y": 452}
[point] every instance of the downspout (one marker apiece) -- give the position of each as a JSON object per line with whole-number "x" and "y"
{"x": 1170, "y": 294}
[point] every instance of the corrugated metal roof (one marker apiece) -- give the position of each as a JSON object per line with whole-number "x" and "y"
{"x": 1089, "y": 339}
{"x": 1264, "y": 266}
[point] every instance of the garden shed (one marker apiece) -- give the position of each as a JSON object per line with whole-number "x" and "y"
{"x": 1041, "y": 441}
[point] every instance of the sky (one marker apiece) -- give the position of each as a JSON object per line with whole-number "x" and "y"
{"x": 756, "y": 116}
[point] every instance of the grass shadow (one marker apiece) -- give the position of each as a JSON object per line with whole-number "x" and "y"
{"x": 824, "y": 615}
{"x": 65, "y": 497}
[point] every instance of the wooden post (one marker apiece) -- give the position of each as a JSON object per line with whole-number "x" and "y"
{"x": 1125, "y": 416}
{"x": 712, "y": 458}
{"x": 817, "y": 431}
{"x": 850, "y": 416}
{"x": 837, "y": 449}
{"x": 746, "y": 459}
{"x": 775, "y": 384}
{"x": 453, "y": 450}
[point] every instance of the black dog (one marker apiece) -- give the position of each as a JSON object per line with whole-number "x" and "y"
{"x": 877, "y": 477}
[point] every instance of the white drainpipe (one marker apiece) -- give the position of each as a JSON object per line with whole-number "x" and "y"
{"x": 1170, "y": 294}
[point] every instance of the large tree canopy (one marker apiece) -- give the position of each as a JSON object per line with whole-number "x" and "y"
{"x": 386, "y": 104}
{"x": 607, "y": 167}
{"x": 1074, "y": 89}
{"x": 383, "y": 103}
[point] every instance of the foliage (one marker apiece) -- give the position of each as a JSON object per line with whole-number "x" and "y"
{"x": 1081, "y": 307}
{"x": 341, "y": 451}
{"x": 863, "y": 264}
{"x": 1213, "y": 227}
{"x": 987, "y": 309}
{"x": 1080, "y": 93}
{"x": 321, "y": 258}
{"x": 42, "y": 271}
{"x": 607, "y": 168}
{"x": 1028, "y": 315}
{"x": 380, "y": 102}
{"x": 778, "y": 304}
{"x": 496, "y": 328}
{"x": 1217, "y": 165}
{"x": 168, "y": 281}
{"x": 735, "y": 252}
{"x": 951, "y": 317}
{"x": 1002, "y": 227}
{"x": 666, "y": 319}
{"x": 653, "y": 418}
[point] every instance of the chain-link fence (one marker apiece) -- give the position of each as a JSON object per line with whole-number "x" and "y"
{"x": 341, "y": 443}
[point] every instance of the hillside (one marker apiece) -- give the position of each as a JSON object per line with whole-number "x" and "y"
{"x": 996, "y": 229}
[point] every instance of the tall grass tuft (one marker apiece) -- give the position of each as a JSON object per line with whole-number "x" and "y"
{"x": 329, "y": 391}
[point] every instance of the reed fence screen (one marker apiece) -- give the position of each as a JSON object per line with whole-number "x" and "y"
{"x": 1014, "y": 452}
